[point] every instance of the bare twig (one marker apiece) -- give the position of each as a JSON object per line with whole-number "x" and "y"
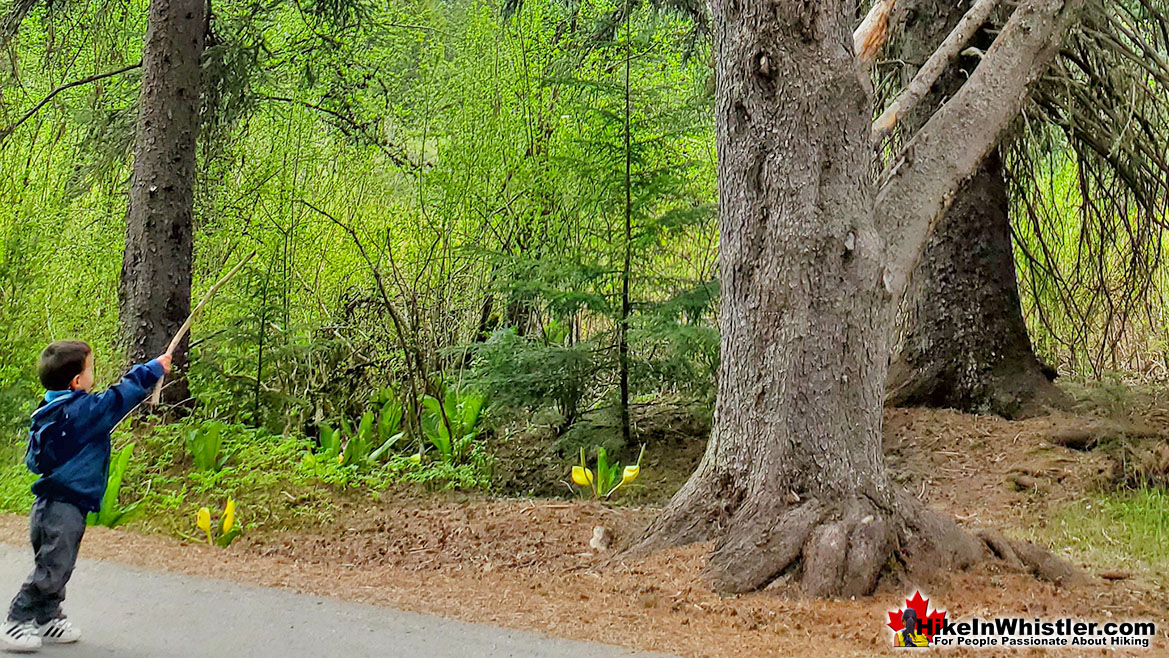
{"x": 349, "y": 126}
{"x": 11, "y": 128}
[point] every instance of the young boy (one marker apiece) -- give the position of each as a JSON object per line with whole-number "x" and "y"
{"x": 69, "y": 447}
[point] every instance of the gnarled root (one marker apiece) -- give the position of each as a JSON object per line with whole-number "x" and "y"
{"x": 697, "y": 513}
{"x": 1025, "y": 556}
{"x": 842, "y": 548}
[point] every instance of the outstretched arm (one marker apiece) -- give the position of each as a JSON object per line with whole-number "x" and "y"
{"x": 116, "y": 402}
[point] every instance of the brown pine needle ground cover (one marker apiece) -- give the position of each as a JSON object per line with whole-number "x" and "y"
{"x": 527, "y": 564}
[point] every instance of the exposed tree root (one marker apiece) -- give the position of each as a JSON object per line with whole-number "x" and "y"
{"x": 697, "y": 513}
{"x": 1025, "y": 556}
{"x": 842, "y": 548}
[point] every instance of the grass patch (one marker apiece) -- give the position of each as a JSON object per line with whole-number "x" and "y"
{"x": 15, "y": 488}
{"x": 1127, "y": 529}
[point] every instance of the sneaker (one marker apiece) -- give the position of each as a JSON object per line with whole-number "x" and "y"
{"x": 20, "y": 637}
{"x": 58, "y": 631}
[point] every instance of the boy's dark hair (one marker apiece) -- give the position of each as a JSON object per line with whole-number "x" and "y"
{"x": 61, "y": 361}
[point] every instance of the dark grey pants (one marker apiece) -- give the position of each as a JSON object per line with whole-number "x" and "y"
{"x": 56, "y": 529}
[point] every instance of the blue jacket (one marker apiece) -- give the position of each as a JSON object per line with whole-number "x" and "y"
{"x": 69, "y": 441}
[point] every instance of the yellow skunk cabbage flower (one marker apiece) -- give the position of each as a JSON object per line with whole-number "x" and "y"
{"x": 203, "y": 521}
{"x": 582, "y": 476}
{"x": 630, "y": 474}
{"x": 228, "y": 516}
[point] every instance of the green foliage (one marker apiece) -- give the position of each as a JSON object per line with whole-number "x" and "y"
{"x": 527, "y": 373}
{"x": 632, "y": 152}
{"x": 330, "y": 442}
{"x": 381, "y": 429}
{"x": 284, "y": 484}
{"x": 680, "y": 340}
{"x": 478, "y": 160}
{"x": 15, "y": 479}
{"x": 18, "y": 349}
{"x": 388, "y": 423}
{"x": 204, "y": 443}
{"x": 111, "y": 514}
{"x": 356, "y": 452}
{"x": 225, "y": 539}
{"x": 451, "y": 426}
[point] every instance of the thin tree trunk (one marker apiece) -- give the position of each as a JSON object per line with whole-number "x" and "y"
{"x": 156, "y": 267}
{"x": 964, "y": 345}
{"x": 623, "y": 323}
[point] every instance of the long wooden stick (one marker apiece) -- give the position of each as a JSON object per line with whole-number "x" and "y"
{"x": 156, "y": 396}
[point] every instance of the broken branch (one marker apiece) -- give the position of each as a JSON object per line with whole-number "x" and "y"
{"x": 873, "y": 31}
{"x": 929, "y": 73}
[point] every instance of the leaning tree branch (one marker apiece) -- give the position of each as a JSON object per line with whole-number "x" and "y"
{"x": 920, "y": 183}
{"x": 10, "y": 24}
{"x": 8, "y": 130}
{"x": 929, "y": 73}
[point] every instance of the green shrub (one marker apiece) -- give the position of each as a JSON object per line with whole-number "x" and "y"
{"x": 530, "y": 374}
{"x": 111, "y": 515}
{"x": 451, "y": 426}
{"x": 205, "y": 443}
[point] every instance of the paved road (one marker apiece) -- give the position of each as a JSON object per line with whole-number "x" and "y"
{"x": 132, "y": 613}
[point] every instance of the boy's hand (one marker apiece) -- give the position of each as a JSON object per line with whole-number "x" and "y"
{"x": 165, "y": 361}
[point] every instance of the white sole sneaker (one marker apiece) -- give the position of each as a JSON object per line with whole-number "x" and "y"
{"x": 58, "y": 631}
{"x": 19, "y": 637}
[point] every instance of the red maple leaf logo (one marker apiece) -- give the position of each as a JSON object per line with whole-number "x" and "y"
{"x": 929, "y": 623}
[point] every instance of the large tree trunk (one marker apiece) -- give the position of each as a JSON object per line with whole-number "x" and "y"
{"x": 794, "y": 470}
{"x": 965, "y": 345}
{"x": 156, "y": 267}
{"x": 793, "y": 480}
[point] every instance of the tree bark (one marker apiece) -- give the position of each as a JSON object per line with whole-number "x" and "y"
{"x": 965, "y": 344}
{"x": 793, "y": 480}
{"x": 156, "y": 266}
